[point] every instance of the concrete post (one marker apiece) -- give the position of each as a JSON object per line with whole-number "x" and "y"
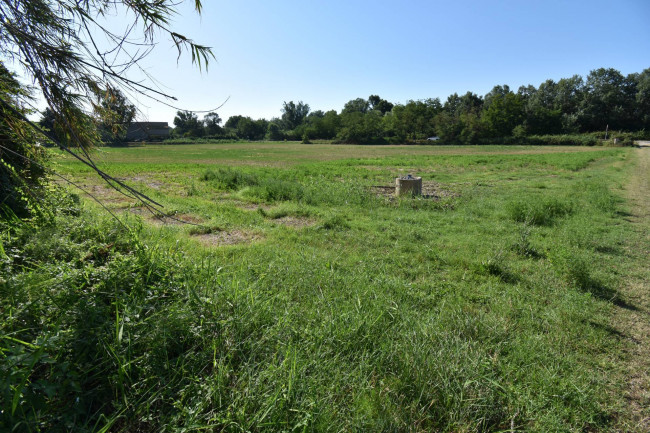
{"x": 408, "y": 185}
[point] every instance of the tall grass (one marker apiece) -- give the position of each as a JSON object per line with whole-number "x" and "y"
{"x": 486, "y": 314}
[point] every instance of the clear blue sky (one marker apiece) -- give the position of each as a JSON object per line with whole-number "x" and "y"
{"x": 326, "y": 53}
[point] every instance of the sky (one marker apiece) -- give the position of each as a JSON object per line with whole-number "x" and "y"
{"x": 327, "y": 53}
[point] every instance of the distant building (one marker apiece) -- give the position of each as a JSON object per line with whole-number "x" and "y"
{"x": 148, "y": 131}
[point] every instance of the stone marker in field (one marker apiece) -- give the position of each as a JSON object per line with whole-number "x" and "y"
{"x": 408, "y": 185}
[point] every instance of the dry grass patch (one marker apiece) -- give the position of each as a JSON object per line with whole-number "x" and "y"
{"x": 430, "y": 189}
{"x": 175, "y": 219}
{"x": 224, "y": 238}
{"x": 158, "y": 219}
{"x": 154, "y": 184}
{"x": 251, "y": 206}
{"x": 295, "y": 222}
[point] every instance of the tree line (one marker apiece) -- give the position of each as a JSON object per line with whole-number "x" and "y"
{"x": 606, "y": 99}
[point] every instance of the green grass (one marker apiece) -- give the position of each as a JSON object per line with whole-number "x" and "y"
{"x": 482, "y": 307}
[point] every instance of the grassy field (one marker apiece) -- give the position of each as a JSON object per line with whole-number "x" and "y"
{"x": 303, "y": 296}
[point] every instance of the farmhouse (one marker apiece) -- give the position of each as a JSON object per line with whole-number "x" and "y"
{"x": 139, "y": 131}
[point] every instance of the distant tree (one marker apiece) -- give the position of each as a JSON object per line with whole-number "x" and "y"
{"x": 379, "y": 104}
{"x": 642, "y": 100}
{"x": 233, "y": 121}
{"x": 502, "y": 112}
{"x": 47, "y": 119}
{"x": 458, "y": 119}
{"x": 293, "y": 114}
{"x": 250, "y": 129}
{"x": 212, "y": 124}
{"x": 472, "y": 128}
{"x": 187, "y": 124}
{"x": 113, "y": 114}
{"x": 545, "y": 96}
{"x": 542, "y": 116}
{"x": 604, "y": 101}
{"x": 329, "y": 125}
{"x": 569, "y": 93}
{"x": 274, "y": 132}
{"x": 526, "y": 92}
{"x": 542, "y": 120}
{"x": 415, "y": 120}
{"x": 361, "y": 128}
{"x": 318, "y": 114}
{"x": 448, "y": 126}
{"x": 469, "y": 102}
{"x": 358, "y": 105}
{"x": 497, "y": 92}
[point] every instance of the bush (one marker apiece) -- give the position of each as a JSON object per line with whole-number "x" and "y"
{"x": 574, "y": 267}
{"x": 539, "y": 212}
{"x": 277, "y": 190}
{"x": 229, "y": 179}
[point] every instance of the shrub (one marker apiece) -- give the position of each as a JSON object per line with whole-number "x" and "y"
{"x": 539, "y": 212}
{"x": 334, "y": 223}
{"x": 278, "y": 190}
{"x": 573, "y": 266}
{"x": 230, "y": 179}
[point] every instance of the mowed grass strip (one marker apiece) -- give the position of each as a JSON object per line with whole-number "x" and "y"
{"x": 484, "y": 309}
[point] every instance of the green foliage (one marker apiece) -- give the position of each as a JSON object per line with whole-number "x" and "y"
{"x": 274, "y": 133}
{"x": 538, "y": 212}
{"x": 567, "y": 112}
{"x": 553, "y": 140}
{"x": 229, "y": 179}
{"x": 356, "y": 320}
{"x": 503, "y": 112}
{"x": 379, "y": 104}
{"x": 212, "y": 124}
{"x": 56, "y": 42}
{"x": 113, "y": 114}
{"x": 187, "y": 124}
{"x": 293, "y": 115}
{"x": 574, "y": 266}
{"x": 22, "y": 175}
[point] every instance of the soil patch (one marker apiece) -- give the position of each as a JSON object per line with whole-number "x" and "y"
{"x": 107, "y": 194}
{"x": 224, "y": 238}
{"x": 430, "y": 190}
{"x": 251, "y": 206}
{"x": 147, "y": 181}
{"x": 175, "y": 219}
{"x": 295, "y": 222}
{"x": 160, "y": 220}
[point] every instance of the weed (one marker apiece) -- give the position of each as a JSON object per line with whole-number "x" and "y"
{"x": 336, "y": 222}
{"x": 576, "y": 268}
{"x": 522, "y": 244}
{"x": 192, "y": 190}
{"x": 271, "y": 190}
{"x": 539, "y": 212}
{"x": 204, "y": 230}
{"x": 229, "y": 179}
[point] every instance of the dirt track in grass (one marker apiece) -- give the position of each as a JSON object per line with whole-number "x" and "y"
{"x": 635, "y": 323}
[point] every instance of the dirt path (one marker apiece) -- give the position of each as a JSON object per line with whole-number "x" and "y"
{"x": 635, "y": 323}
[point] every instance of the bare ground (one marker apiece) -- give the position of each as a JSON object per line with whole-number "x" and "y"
{"x": 430, "y": 189}
{"x": 223, "y": 238}
{"x": 635, "y": 323}
{"x": 295, "y": 222}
